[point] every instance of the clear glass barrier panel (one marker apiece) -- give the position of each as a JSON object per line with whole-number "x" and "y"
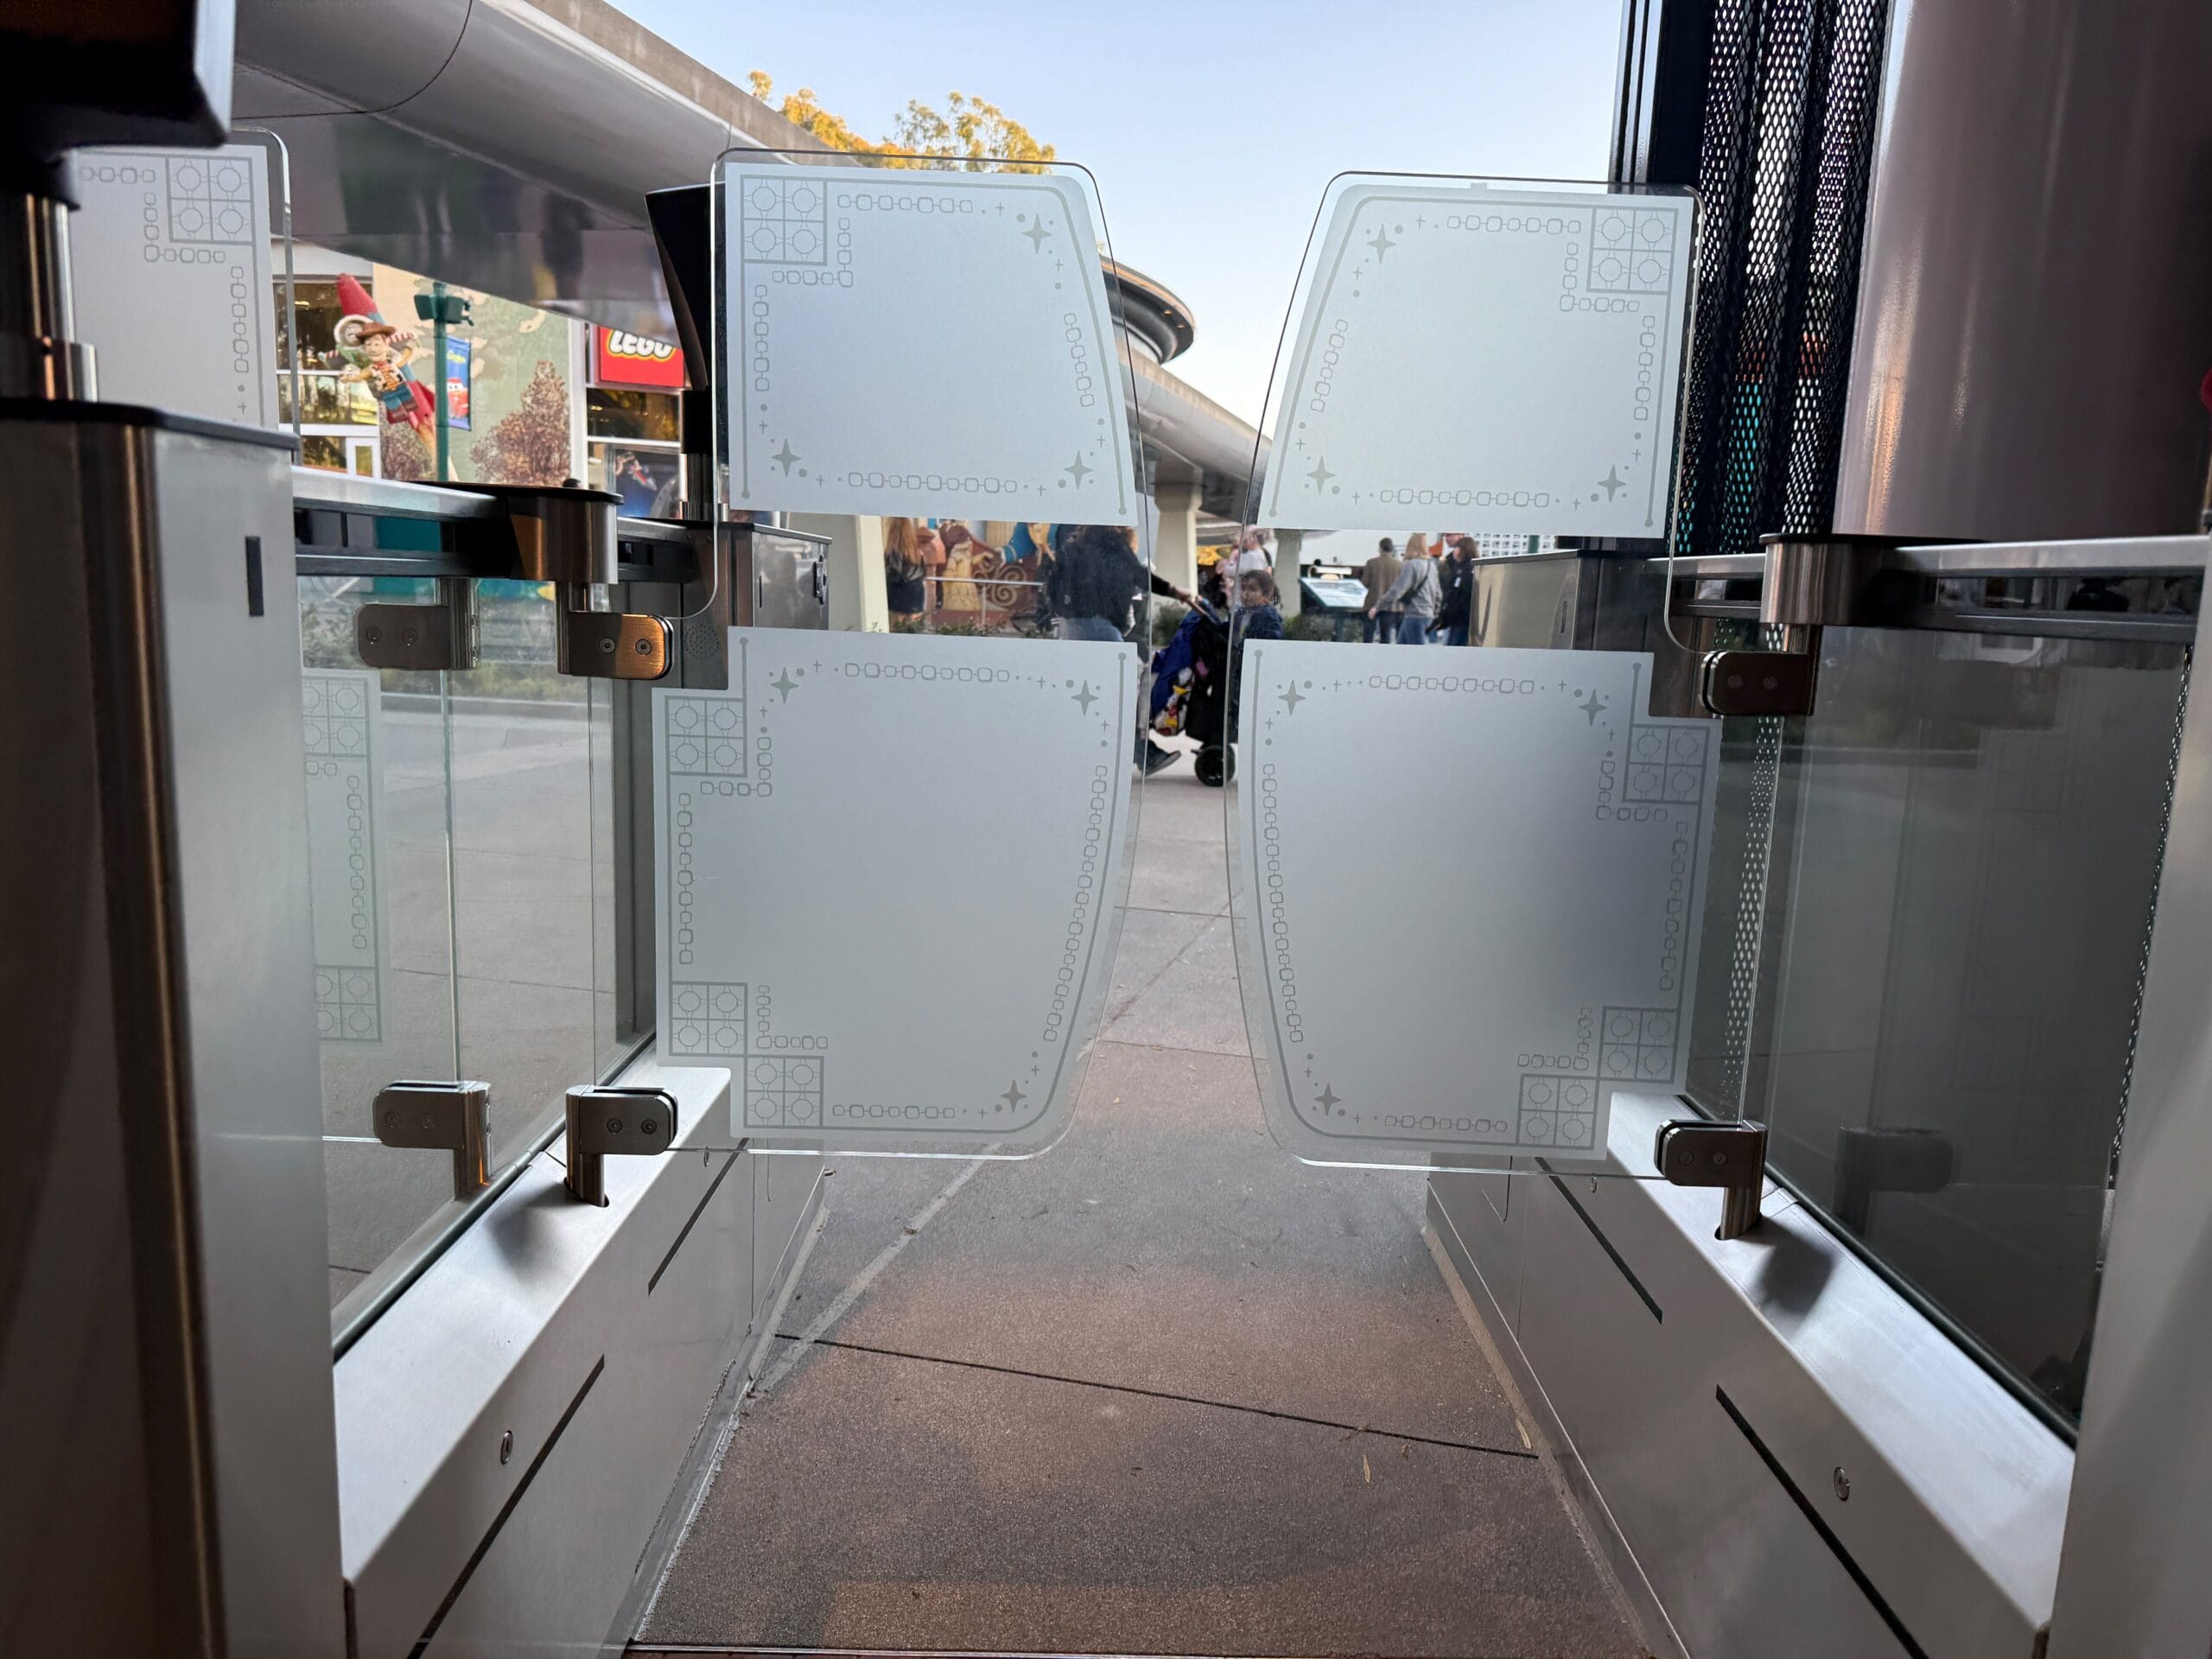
{"x": 532, "y": 882}
{"x": 892, "y": 860}
{"x": 1966, "y": 858}
{"x": 1468, "y": 886}
{"x": 459, "y": 830}
{"x": 379, "y": 811}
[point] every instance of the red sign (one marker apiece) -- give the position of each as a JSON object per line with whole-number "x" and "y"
{"x": 624, "y": 360}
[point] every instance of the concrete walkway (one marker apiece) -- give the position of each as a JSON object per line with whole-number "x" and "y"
{"x": 1162, "y": 1390}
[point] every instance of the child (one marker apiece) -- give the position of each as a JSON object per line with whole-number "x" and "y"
{"x": 1259, "y": 613}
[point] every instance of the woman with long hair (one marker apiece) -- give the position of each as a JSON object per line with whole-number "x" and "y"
{"x": 903, "y": 569}
{"x": 1414, "y": 593}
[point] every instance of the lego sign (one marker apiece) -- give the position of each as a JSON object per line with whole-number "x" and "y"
{"x": 626, "y": 360}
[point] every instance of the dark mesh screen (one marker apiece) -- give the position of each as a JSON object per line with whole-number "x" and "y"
{"x": 1792, "y": 93}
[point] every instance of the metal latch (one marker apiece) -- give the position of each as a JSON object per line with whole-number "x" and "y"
{"x": 614, "y": 1122}
{"x": 1692, "y": 1151}
{"x": 440, "y": 636}
{"x": 441, "y": 1116}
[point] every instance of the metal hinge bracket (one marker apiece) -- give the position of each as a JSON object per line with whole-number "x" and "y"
{"x": 441, "y": 1116}
{"x": 1757, "y": 681}
{"x": 440, "y": 636}
{"x": 614, "y": 1122}
{"x": 1693, "y": 1151}
{"x": 615, "y": 645}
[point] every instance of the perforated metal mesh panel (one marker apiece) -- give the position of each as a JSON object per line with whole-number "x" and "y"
{"x": 1791, "y": 96}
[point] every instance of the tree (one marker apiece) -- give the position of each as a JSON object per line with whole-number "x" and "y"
{"x": 982, "y": 135}
{"x": 978, "y": 135}
{"x": 406, "y": 457}
{"x": 530, "y": 445}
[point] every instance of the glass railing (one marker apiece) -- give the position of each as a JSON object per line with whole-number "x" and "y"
{"x": 462, "y": 847}
{"x": 1930, "y": 900}
{"x": 1967, "y": 843}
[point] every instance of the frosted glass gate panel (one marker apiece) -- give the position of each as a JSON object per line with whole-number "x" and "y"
{"x": 1508, "y": 356}
{"x": 892, "y": 862}
{"x": 1467, "y": 889}
{"x": 914, "y": 340}
{"x": 891, "y": 882}
{"x": 1467, "y": 882}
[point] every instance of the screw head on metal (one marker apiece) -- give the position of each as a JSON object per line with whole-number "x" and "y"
{"x": 374, "y": 636}
{"x": 648, "y": 1126}
{"x": 1842, "y": 1484}
{"x": 392, "y": 1122}
{"x": 407, "y": 636}
{"x": 506, "y": 1444}
{"x": 615, "y": 1126}
{"x": 606, "y": 646}
{"x": 430, "y": 1122}
{"x": 643, "y": 647}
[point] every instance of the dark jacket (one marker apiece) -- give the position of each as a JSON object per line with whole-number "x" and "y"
{"x": 1096, "y": 574}
{"x": 1457, "y": 604}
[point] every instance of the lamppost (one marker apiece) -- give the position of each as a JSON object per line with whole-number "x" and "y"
{"x": 442, "y": 310}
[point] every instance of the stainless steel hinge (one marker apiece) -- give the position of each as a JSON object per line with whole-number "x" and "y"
{"x": 1695, "y": 1151}
{"x": 440, "y": 636}
{"x": 441, "y": 1116}
{"x": 615, "y": 645}
{"x": 614, "y": 1122}
{"x": 1758, "y": 681}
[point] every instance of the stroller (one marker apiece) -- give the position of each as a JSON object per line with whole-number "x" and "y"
{"x": 1191, "y": 694}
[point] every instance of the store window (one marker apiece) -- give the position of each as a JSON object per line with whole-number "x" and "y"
{"x": 632, "y": 422}
{"x": 337, "y": 414}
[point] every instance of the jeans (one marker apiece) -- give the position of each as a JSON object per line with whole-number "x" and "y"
{"x": 1089, "y": 627}
{"x": 1386, "y": 627}
{"x": 1455, "y": 633}
{"x": 1413, "y": 631}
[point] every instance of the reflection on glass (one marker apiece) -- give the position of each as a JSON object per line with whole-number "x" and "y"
{"x": 1969, "y": 836}
{"x": 326, "y": 400}
{"x": 378, "y": 864}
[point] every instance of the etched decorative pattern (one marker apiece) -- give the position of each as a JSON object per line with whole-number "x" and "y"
{"x": 1631, "y": 249}
{"x": 346, "y": 1006}
{"x": 783, "y": 1091}
{"x": 785, "y": 221}
{"x": 336, "y": 712}
{"x": 335, "y": 709}
{"x": 1637, "y": 1044}
{"x": 709, "y": 1019}
{"x": 1558, "y": 1111}
{"x": 707, "y": 738}
{"x": 211, "y": 201}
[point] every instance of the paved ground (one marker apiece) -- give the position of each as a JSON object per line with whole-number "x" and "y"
{"x": 1163, "y": 1390}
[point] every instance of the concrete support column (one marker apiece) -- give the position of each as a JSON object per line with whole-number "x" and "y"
{"x": 1175, "y": 548}
{"x": 1289, "y": 557}
{"x": 856, "y": 557}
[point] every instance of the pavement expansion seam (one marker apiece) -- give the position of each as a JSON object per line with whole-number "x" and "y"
{"x": 1367, "y": 1430}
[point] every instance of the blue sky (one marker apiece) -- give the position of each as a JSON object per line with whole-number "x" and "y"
{"x": 1212, "y": 127}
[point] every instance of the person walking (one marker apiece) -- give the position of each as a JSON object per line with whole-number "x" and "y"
{"x": 1412, "y": 593}
{"x": 1455, "y": 612}
{"x": 1377, "y": 575}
